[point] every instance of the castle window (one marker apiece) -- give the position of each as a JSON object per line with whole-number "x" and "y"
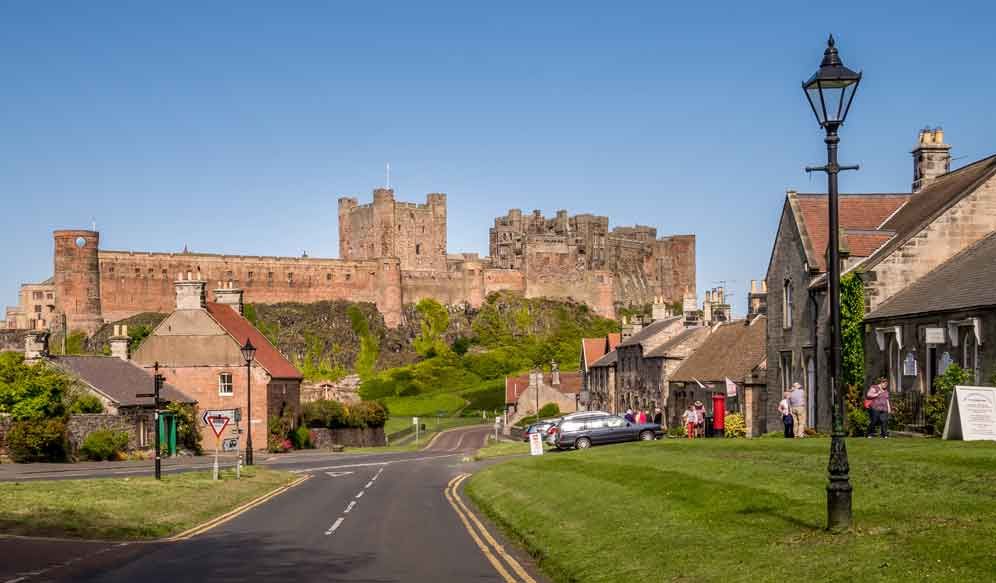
{"x": 228, "y": 275}
{"x": 48, "y": 296}
{"x": 138, "y": 272}
{"x": 269, "y": 275}
{"x": 249, "y": 275}
{"x": 164, "y": 274}
{"x": 328, "y": 277}
{"x": 36, "y": 295}
{"x": 38, "y": 308}
{"x": 152, "y": 273}
{"x": 418, "y": 248}
{"x": 225, "y": 383}
{"x": 348, "y": 276}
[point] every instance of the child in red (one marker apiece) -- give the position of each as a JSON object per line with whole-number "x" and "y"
{"x": 689, "y": 418}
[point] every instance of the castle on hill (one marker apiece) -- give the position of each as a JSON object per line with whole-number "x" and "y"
{"x": 391, "y": 253}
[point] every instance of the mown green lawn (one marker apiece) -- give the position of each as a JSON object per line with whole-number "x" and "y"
{"x": 739, "y": 510}
{"x": 128, "y": 508}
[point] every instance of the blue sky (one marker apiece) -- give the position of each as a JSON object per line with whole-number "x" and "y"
{"x": 234, "y": 127}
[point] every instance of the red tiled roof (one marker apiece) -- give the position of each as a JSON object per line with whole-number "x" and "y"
{"x": 614, "y": 339}
{"x": 239, "y": 329}
{"x": 570, "y": 383}
{"x": 593, "y": 349}
{"x": 857, "y": 211}
{"x": 864, "y": 243}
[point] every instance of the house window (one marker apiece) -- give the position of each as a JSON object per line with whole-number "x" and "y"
{"x": 225, "y": 383}
{"x": 785, "y": 368}
{"x": 969, "y": 353}
{"x": 895, "y": 364}
{"x": 787, "y": 306}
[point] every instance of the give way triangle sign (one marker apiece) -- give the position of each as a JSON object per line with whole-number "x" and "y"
{"x": 218, "y": 424}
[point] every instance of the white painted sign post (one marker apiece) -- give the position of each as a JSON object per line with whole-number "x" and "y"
{"x": 971, "y": 414}
{"x": 535, "y": 443}
{"x": 415, "y": 422}
{"x": 217, "y": 424}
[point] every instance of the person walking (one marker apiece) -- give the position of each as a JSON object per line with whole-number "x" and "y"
{"x": 786, "y": 412}
{"x": 659, "y": 417}
{"x": 797, "y": 405}
{"x": 879, "y": 408}
{"x": 689, "y": 419}
{"x": 641, "y": 417}
{"x": 699, "y": 419}
{"x": 629, "y": 416}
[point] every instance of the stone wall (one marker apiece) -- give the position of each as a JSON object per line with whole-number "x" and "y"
{"x": 965, "y": 223}
{"x": 323, "y": 438}
{"x": 12, "y": 340}
{"x": 132, "y": 423}
{"x": 5, "y": 422}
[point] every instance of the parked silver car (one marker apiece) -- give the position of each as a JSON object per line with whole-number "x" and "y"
{"x": 583, "y": 431}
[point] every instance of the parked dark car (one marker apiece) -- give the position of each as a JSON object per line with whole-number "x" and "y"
{"x": 582, "y": 432}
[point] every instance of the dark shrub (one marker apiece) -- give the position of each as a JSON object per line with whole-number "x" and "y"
{"x": 41, "y": 440}
{"x": 323, "y": 413}
{"x": 549, "y": 410}
{"x": 367, "y": 414}
{"x": 300, "y": 438}
{"x": 104, "y": 445}
{"x": 86, "y": 404}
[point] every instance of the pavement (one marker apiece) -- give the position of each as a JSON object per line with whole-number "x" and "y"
{"x": 358, "y": 517}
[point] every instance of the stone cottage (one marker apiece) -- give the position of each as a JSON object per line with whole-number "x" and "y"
{"x": 198, "y": 347}
{"x": 523, "y": 392}
{"x": 593, "y": 349}
{"x": 946, "y": 317}
{"x": 889, "y": 240}
{"x": 732, "y": 350}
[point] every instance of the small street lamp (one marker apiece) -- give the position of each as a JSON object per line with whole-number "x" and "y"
{"x": 830, "y": 92}
{"x": 248, "y": 353}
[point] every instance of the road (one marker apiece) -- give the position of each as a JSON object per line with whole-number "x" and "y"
{"x": 378, "y": 517}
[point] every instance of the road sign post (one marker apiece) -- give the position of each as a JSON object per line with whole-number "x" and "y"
{"x": 415, "y": 421}
{"x": 157, "y": 383}
{"x": 218, "y": 423}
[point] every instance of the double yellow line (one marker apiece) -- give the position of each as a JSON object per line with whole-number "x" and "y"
{"x": 219, "y": 520}
{"x": 493, "y": 551}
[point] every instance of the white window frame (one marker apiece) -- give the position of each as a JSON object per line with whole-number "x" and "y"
{"x": 225, "y": 380}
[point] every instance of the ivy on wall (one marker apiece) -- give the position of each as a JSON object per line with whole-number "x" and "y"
{"x": 852, "y": 313}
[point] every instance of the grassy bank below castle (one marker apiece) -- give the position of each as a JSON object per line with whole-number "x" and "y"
{"x": 739, "y": 510}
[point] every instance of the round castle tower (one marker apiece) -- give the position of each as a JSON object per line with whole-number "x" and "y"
{"x": 77, "y": 279}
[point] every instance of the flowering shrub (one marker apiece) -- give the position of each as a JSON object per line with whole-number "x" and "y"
{"x": 735, "y": 426}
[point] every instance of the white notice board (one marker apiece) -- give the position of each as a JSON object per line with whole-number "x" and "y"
{"x": 971, "y": 414}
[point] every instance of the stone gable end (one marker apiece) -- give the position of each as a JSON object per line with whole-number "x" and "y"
{"x": 965, "y": 223}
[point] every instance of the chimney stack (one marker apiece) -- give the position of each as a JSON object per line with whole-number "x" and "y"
{"x": 189, "y": 293}
{"x": 931, "y": 158}
{"x": 35, "y": 346}
{"x": 229, "y": 295}
{"x": 119, "y": 342}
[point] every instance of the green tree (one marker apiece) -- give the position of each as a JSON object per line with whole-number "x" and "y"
{"x": 433, "y": 323}
{"x": 31, "y": 391}
{"x": 852, "y": 314}
{"x": 314, "y": 365}
{"x": 366, "y": 358}
{"x": 136, "y": 334}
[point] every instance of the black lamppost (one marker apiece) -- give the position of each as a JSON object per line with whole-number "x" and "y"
{"x": 248, "y": 353}
{"x": 830, "y": 92}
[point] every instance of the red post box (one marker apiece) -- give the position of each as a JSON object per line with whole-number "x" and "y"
{"x": 718, "y": 413}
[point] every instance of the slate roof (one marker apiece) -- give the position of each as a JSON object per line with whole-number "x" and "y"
{"x": 649, "y": 331}
{"x": 239, "y": 329}
{"x": 118, "y": 379}
{"x": 607, "y": 360}
{"x": 674, "y": 347}
{"x": 925, "y": 206}
{"x": 860, "y": 212}
{"x": 570, "y": 383}
{"x": 964, "y": 281}
{"x": 731, "y": 351}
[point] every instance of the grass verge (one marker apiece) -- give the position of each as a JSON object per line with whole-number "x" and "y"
{"x": 501, "y": 449}
{"x": 738, "y": 510}
{"x": 128, "y": 508}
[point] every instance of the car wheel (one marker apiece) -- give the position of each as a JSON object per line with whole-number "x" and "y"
{"x": 582, "y": 443}
{"x": 646, "y": 436}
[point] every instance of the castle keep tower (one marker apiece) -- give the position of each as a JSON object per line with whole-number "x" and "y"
{"x": 77, "y": 280}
